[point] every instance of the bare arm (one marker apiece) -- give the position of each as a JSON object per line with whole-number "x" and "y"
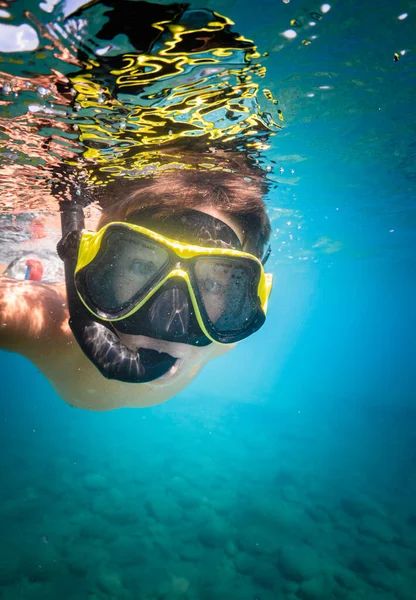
{"x": 32, "y": 314}
{"x": 34, "y": 323}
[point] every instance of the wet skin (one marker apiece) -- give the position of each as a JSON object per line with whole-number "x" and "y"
{"x": 34, "y": 323}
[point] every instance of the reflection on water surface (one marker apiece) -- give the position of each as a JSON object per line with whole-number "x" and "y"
{"x": 130, "y": 88}
{"x": 125, "y": 101}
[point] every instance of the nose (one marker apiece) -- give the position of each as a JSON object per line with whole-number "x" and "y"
{"x": 170, "y": 313}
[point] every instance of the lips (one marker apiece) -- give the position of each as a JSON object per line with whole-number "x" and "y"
{"x": 153, "y": 359}
{"x": 155, "y": 364}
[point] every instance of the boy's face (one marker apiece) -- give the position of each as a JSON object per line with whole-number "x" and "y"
{"x": 190, "y": 358}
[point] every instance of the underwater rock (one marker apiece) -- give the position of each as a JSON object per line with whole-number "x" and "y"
{"x": 10, "y": 570}
{"x": 390, "y": 561}
{"x": 96, "y": 529}
{"x": 213, "y": 535}
{"x": 382, "y": 580}
{"x": 411, "y": 520}
{"x": 29, "y": 590}
{"x": 163, "y": 509}
{"x": 42, "y": 563}
{"x": 313, "y": 589}
{"x": 363, "y": 563}
{"x": 243, "y": 563}
{"x": 265, "y": 575}
{"x": 200, "y": 515}
{"x": 230, "y": 548}
{"x": 375, "y": 527}
{"x": 298, "y": 562}
{"x": 292, "y": 494}
{"x": 403, "y": 593}
{"x": 284, "y": 476}
{"x": 80, "y": 558}
{"x": 129, "y": 550}
{"x": 360, "y": 505}
{"x": 346, "y": 578}
{"x": 191, "y": 552}
{"x": 256, "y": 540}
{"x": 177, "y": 484}
{"x": 179, "y": 587}
{"x": 290, "y": 587}
{"x": 146, "y": 582}
{"x": 110, "y": 583}
{"x": 78, "y": 568}
{"x": 317, "y": 513}
{"x": 188, "y": 501}
{"x": 94, "y": 482}
{"x": 406, "y": 540}
{"x": 118, "y": 513}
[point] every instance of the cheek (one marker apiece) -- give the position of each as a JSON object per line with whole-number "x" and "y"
{"x": 204, "y": 355}
{"x": 221, "y": 349}
{"x": 196, "y": 358}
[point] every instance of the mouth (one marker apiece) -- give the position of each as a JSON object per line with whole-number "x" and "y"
{"x": 157, "y": 365}
{"x": 160, "y": 360}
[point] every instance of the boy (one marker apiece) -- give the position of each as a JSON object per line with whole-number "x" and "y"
{"x": 197, "y": 209}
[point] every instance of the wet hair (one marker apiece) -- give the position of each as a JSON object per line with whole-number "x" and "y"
{"x": 239, "y": 195}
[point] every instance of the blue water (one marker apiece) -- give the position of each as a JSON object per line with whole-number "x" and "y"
{"x": 287, "y": 469}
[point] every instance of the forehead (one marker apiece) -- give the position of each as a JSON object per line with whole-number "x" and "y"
{"x": 190, "y": 226}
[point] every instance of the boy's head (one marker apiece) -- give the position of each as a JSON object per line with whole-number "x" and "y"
{"x": 237, "y": 198}
{"x": 220, "y": 209}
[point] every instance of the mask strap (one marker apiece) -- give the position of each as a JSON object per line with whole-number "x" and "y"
{"x": 266, "y": 255}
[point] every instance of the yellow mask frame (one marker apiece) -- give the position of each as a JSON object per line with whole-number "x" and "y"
{"x": 91, "y": 243}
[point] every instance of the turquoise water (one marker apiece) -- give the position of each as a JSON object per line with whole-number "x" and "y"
{"x": 287, "y": 469}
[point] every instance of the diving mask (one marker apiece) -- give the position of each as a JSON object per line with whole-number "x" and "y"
{"x": 191, "y": 293}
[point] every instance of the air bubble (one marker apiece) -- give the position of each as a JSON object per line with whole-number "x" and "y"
{"x": 289, "y": 34}
{"x": 43, "y": 92}
{"x": 7, "y": 89}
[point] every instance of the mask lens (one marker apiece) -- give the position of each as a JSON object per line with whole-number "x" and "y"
{"x": 228, "y": 289}
{"x": 126, "y": 266}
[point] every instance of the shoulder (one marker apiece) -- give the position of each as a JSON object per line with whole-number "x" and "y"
{"x": 31, "y": 311}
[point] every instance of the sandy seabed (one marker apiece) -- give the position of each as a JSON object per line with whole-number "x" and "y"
{"x": 176, "y": 503}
